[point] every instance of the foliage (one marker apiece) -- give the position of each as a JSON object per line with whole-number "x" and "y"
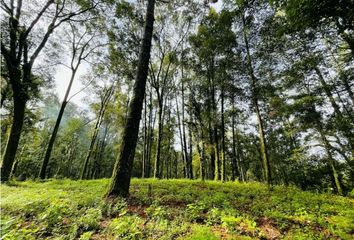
{"x": 180, "y": 209}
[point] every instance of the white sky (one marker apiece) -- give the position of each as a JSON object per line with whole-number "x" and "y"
{"x": 62, "y": 78}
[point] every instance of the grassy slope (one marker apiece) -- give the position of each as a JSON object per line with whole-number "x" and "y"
{"x": 171, "y": 209}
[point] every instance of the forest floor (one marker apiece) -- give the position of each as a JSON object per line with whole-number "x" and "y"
{"x": 171, "y": 209}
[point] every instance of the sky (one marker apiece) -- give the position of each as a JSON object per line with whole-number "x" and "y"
{"x": 62, "y": 78}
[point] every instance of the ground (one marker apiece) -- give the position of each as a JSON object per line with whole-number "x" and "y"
{"x": 171, "y": 209}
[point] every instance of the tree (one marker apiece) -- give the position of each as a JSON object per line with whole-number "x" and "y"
{"x": 120, "y": 182}
{"x": 81, "y": 49}
{"x": 105, "y": 97}
{"x": 317, "y": 13}
{"x": 20, "y": 47}
{"x": 210, "y": 65}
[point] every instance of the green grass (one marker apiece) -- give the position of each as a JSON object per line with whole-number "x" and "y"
{"x": 171, "y": 209}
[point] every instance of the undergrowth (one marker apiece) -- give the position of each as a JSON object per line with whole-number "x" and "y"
{"x": 171, "y": 209}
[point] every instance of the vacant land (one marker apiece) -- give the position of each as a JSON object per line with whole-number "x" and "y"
{"x": 171, "y": 209}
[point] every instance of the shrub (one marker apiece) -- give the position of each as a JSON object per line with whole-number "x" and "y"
{"x": 90, "y": 221}
{"x": 126, "y": 227}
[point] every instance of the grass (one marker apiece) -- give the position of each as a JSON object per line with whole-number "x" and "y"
{"x": 171, "y": 209}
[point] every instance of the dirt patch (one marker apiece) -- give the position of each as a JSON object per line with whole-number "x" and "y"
{"x": 138, "y": 209}
{"x": 222, "y": 232}
{"x": 104, "y": 223}
{"x": 98, "y": 236}
{"x": 175, "y": 204}
{"x": 268, "y": 228}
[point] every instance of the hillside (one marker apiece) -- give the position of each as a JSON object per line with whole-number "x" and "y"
{"x": 171, "y": 209}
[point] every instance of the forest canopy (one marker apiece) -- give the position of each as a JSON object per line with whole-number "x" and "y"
{"x": 235, "y": 90}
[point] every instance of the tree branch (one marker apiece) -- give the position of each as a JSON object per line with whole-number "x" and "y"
{"x": 18, "y": 9}
{"x": 34, "y": 22}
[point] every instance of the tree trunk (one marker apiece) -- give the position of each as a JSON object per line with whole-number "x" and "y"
{"x": 343, "y": 125}
{"x": 201, "y": 151}
{"x": 92, "y": 145}
{"x": 101, "y": 153}
{"x": 120, "y": 183}
{"x": 190, "y": 155}
{"x": 185, "y": 151}
{"x": 254, "y": 89}
{"x": 212, "y": 153}
{"x": 104, "y": 100}
{"x": 217, "y": 155}
{"x": 143, "y": 170}
{"x": 150, "y": 136}
{"x": 157, "y": 173}
{"x": 331, "y": 164}
{"x": 263, "y": 146}
{"x": 48, "y": 153}
{"x": 14, "y": 138}
{"x": 180, "y": 132}
{"x": 234, "y": 165}
{"x": 223, "y": 161}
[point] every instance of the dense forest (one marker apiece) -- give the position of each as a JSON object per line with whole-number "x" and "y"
{"x": 224, "y": 92}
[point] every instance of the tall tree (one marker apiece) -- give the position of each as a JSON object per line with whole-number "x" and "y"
{"x": 80, "y": 50}
{"x": 20, "y": 51}
{"x": 105, "y": 96}
{"x": 120, "y": 182}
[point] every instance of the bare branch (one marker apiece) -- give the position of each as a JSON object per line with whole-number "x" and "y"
{"x": 5, "y": 7}
{"x": 34, "y": 22}
{"x": 82, "y": 89}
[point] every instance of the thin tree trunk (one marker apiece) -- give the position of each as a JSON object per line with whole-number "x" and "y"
{"x": 101, "y": 153}
{"x": 342, "y": 126}
{"x": 214, "y": 123}
{"x": 120, "y": 183}
{"x": 263, "y": 146}
{"x": 217, "y": 155}
{"x": 201, "y": 151}
{"x": 235, "y": 167}
{"x": 212, "y": 153}
{"x": 262, "y": 138}
{"x": 42, "y": 172}
{"x": 190, "y": 157}
{"x": 180, "y": 132}
{"x": 92, "y": 144}
{"x": 223, "y": 161}
{"x": 184, "y": 145}
{"x": 143, "y": 170}
{"x": 104, "y": 101}
{"x": 184, "y": 149}
{"x": 18, "y": 160}
{"x": 157, "y": 173}
{"x": 331, "y": 164}
{"x": 150, "y": 135}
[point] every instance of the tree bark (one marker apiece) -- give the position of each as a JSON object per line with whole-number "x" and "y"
{"x": 235, "y": 164}
{"x": 143, "y": 164}
{"x": 157, "y": 170}
{"x": 223, "y": 161}
{"x": 212, "y": 153}
{"x": 14, "y": 138}
{"x": 190, "y": 156}
{"x": 120, "y": 182}
{"x": 180, "y": 131}
{"x": 149, "y": 137}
